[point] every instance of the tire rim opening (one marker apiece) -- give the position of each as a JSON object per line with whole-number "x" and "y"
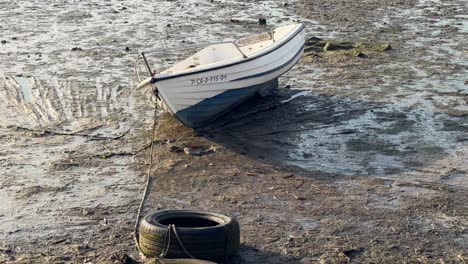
{"x": 189, "y": 222}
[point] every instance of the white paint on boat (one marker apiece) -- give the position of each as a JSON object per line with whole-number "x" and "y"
{"x": 221, "y": 68}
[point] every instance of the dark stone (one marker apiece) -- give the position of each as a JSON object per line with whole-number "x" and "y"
{"x": 337, "y": 46}
{"x": 262, "y": 21}
{"x": 168, "y": 25}
{"x": 176, "y": 149}
{"x": 353, "y": 253}
{"x": 360, "y": 55}
{"x": 76, "y": 49}
{"x": 386, "y": 47}
{"x": 4, "y": 41}
{"x": 127, "y": 49}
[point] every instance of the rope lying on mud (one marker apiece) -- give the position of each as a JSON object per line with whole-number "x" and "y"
{"x": 148, "y": 179}
{"x": 145, "y": 196}
{"x": 79, "y": 133}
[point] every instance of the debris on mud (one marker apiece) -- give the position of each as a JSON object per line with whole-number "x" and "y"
{"x": 359, "y": 160}
{"x": 340, "y": 50}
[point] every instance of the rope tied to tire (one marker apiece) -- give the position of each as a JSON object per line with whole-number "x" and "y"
{"x": 168, "y": 242}
{"x": 180, "y": 241}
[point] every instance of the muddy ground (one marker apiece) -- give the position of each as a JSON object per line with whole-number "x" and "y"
{"x": 360, "y": 156}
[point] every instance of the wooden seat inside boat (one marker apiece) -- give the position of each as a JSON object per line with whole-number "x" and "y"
{"x": 226, "y": 52}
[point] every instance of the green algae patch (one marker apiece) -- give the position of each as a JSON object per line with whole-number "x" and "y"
{"x": 341, "y": 50}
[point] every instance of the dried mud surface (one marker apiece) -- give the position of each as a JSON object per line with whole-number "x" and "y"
{"x": 359, "y": 157}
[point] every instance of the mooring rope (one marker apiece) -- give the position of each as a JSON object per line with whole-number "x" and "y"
{"x": 167, "y": 238}
{"x": 167, "y": 241}
{"x": 148, "y": 179}
{"x": 180, "y": 241}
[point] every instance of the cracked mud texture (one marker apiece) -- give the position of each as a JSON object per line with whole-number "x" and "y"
{"x": 360, "y": 156}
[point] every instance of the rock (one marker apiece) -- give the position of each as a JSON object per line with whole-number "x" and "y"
{"x": 5, "y": 250}
{"x": 4, "y": 41}
{"x": 168, "y": 25}
{"x": 359, "y": 54}
{"x": 193, "y": 151}
{"x": 262, "y": 21}
{"x": 300, "y": 198}
{"x": 313, "y": 41}
{"x": 76, "y": 49}
{"x": 386, "y": 47}
{"x": 197, "y": 151}
{"x": 127, "y": 49}
{"x": 176, "y": 149}
{"x": 337, "y": 46}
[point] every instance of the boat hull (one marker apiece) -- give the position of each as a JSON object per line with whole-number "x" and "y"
{"x": 197, "y": 98}
{"x": 211, "y": 108}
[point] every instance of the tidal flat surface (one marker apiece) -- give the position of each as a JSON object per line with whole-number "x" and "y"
{"x": 354, "y": 159}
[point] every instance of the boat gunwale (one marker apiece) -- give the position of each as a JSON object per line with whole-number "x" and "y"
{"x": 154, "y": 79}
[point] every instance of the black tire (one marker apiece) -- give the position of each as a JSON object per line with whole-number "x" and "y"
{"x": 183, "y": 261}
{"x": 208, "y": 236}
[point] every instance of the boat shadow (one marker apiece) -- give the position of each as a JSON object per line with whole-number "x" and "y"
{"x": 332, "y": 136}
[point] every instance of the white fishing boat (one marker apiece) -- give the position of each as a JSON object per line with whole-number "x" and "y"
{"x": 217, "y": 78}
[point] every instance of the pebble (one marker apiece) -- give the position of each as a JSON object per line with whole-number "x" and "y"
{"x": 176, "y": 149}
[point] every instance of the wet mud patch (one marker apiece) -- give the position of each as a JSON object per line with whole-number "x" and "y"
{"x": 364, "y": 145}
{"x": 38, "y": 189}
{"x": 33, "y": 102}
{"x": 327, "y": 134}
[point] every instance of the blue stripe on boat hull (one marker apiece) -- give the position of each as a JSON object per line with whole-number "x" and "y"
{"x": 211, "y": 108}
